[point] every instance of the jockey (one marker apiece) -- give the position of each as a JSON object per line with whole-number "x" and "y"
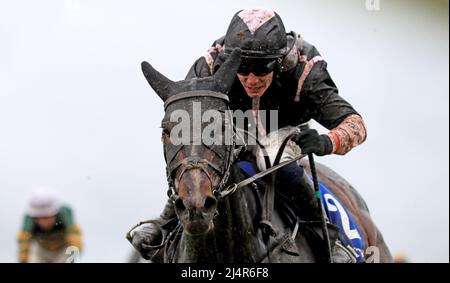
{"x": 49, "y": 233}
{"x": 279, "y": 71}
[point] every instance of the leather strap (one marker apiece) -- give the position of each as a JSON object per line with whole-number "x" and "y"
{"x": 197, "y": 93}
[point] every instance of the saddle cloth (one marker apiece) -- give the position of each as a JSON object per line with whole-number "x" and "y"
{"x": 349, "y": 233}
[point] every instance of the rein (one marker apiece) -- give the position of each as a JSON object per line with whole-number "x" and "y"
{"x": 234, "y": 187}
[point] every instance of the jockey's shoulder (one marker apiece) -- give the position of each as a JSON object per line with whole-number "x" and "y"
{"x": 66, "y": 215}
{"x": 65, "y": 209}
{"x": 220, "y": 41}
{"x": 28, "y": 223}
{"x": 308, "y": 49}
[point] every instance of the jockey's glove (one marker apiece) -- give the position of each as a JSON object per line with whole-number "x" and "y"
{"x": 310, "y": 141}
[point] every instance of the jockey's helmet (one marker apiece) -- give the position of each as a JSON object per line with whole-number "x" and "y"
{"x": 258, "y": 32}
{"x": 43, "y": 203}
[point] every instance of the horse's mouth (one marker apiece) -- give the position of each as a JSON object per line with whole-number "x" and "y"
{"x": 198, "y": 227}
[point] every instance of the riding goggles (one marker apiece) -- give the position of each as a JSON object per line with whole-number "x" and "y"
{"x": 257, "y": 66}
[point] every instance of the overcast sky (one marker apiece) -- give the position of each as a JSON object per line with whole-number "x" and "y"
{"x": 76, "y": 113}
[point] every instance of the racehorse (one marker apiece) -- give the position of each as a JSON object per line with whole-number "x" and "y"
{"x": 216, "y": 222}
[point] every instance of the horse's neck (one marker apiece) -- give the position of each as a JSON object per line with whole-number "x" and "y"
{"x": 197, "y": 248}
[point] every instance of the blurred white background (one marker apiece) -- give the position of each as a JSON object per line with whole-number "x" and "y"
{"x": 76, "y": 113}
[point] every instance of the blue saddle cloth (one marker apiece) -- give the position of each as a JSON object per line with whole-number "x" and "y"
{"x": 349, "y": 232}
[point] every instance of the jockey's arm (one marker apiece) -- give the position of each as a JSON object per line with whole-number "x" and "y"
{"x": 73, "y": 231}
{"x": 24, "y": 239}
{"x": 347, "y": 128}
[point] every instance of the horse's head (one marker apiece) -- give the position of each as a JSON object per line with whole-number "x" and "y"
{"x": 197, "y": 135}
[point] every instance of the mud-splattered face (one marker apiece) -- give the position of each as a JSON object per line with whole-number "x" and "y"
{"x": 255, "y": 86}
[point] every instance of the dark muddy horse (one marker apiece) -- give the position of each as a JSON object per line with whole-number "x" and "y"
{"x": 212, "y": 227}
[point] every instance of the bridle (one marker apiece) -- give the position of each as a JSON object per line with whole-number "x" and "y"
{"x": 196, "y": 162}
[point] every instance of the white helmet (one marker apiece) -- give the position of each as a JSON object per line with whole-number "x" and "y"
{"x": 43, "y": 203}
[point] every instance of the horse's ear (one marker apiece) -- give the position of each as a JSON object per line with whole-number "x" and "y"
{"x": 160, "y": 84}
{"x": 226, "y": 74}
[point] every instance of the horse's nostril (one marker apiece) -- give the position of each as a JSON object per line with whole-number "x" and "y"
{"x": 210, "y": 203}
{"x": 179, "y": 205}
